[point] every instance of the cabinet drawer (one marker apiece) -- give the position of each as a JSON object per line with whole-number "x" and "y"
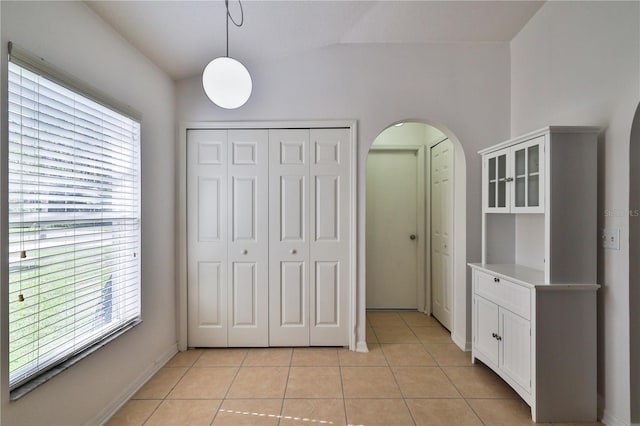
{"x": 513, "y": 297}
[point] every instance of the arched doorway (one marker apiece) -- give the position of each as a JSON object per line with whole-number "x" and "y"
{"x": 411, "y": 241}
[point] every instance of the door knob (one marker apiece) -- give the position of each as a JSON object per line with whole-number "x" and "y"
{"x": 293, "y": 251}
{"x": 244, "y": 251}
{"x": 412, "y": 237}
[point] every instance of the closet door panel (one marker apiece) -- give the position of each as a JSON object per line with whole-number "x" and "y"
{"x": 329, "y": 243}
{"x": 207, "y": 237}
{"x": 248, "y": 237}
{"x": 292, "y": 208}
{"x": 326, "y": 297}
{"x": 289, "y": 238}
{"x": 292, "y": 294}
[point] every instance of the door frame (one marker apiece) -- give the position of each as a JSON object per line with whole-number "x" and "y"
{"x": 421, "y": 265}
{"x": 452, "y": 240}
{"x": 181, "y": 210}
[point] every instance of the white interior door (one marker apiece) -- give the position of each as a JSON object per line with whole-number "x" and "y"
{"x": 391, "y": 223}
{"x": 289, "y": 237}
{"x": 329, "y": 242}
{"x": 207, "y": 238}
{"x": 441, "y": 232}
{"x": 248, "y": 238}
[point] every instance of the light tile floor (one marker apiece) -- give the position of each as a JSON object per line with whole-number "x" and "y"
{"x": 412, "y": 375}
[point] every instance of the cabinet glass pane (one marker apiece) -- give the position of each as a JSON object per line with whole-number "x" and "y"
{"x": 502, "y": 166}
{"x": 502, "y": 191}
{"x": 534, "y": 159}
{"x": 492, "y": 169}
{"x": 492, "y": 194}
{"x": 533, "y": 191}
{"x": 520, "y": 162}
{"x": 520, "y": 191}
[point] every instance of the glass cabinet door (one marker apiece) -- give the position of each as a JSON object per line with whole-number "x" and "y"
{"x": 527, "y": 195}
{"x": 497, "y": 177}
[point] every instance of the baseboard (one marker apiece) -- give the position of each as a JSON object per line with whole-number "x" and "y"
{"x": 362, "y": 347}
{"x": 103, "y": 416}
{"x": 461, "y": 342}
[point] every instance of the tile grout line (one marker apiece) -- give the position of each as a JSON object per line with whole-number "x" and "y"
{"x": 404, "y": 399}
{"x": 464, "y": 398}
{"x": 172, "y": 387}
{"x": 286, "y": 386}
{"x": 224, "y": 398}
{"x": 344, "y": 397}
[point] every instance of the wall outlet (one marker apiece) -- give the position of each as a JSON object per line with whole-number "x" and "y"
{"x": 610, "y": 238}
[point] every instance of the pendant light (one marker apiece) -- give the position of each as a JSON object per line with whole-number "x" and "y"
{"x": 225, "y": 80}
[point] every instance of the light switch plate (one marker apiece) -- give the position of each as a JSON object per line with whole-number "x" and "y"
{"x": 610, "y": 238}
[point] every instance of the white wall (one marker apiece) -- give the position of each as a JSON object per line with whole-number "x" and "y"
{"x": 70, "y": 36}
{"x": 410, "y": 133}
{"x": 578, "y": 63}
{"x": 461, "y": 88}
{"x": 634, "y": 266}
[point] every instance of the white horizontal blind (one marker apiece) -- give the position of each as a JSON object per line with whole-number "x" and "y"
{"x": 74, "y": 223}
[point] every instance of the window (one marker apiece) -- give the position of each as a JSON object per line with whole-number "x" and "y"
{"x": 74, "y": 223}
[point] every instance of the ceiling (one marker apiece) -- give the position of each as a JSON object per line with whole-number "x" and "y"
{"x": 181, "y": 37}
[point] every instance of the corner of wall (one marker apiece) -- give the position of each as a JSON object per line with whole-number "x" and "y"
{"x": 116, "y": 403}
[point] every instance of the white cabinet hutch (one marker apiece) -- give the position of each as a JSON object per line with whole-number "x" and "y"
{"x": 534, "y": 294}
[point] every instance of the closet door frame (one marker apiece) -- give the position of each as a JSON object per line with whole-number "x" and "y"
{"x": 181, "y": 211}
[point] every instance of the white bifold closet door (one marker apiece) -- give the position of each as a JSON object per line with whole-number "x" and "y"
{"x": 227, "y": 227}
{"x": 268, "y": 237}
{"x": 308, "y": 244}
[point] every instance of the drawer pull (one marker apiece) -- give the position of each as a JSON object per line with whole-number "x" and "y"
{"x": 496, "y": 280}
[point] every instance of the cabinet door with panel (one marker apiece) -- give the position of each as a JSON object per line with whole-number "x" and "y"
{"x": 502, "y": 338}
{"x": 527, "y": 184}
{"x": 515, "y": 347}
{"x": 486, "y": 329}
{"x": 497, "y": 176}
{"x": 514, "y": 178}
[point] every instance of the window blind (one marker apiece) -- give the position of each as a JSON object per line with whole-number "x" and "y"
{"x": 74, "y": 223}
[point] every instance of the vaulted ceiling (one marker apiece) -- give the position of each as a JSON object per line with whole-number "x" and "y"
{"x": 181, "y": 37}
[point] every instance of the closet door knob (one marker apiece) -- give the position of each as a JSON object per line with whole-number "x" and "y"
{"x": 244, "y": 251}
{"x": 293, "y": 251}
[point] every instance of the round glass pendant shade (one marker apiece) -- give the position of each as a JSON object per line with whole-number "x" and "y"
{"x": 227, "y": 82}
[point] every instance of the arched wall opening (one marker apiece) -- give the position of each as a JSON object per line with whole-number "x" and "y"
{"x": 418, "y": 132}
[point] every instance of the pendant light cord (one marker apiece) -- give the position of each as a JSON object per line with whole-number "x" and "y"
{"x": 226, "y": 3}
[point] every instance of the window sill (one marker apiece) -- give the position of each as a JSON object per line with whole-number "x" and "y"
{"x": 25, "y": 388}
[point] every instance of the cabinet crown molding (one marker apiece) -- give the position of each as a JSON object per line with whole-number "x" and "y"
{"x": 536, "y": 133}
